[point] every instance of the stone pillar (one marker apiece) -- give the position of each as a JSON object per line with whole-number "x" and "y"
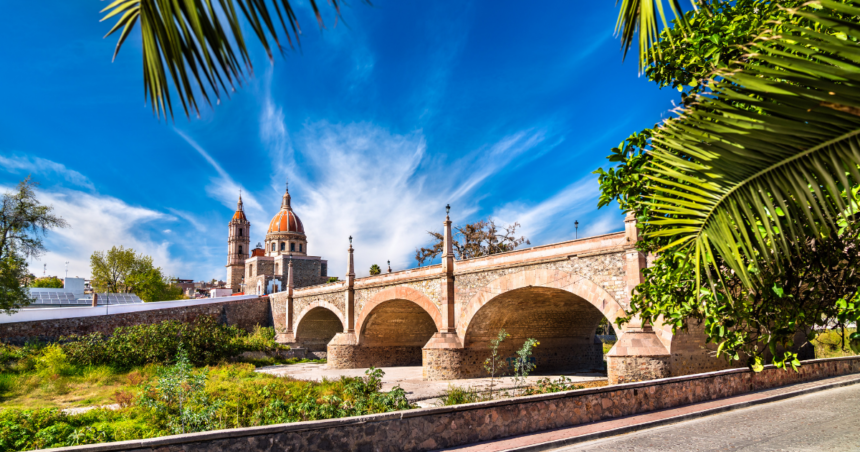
{"x": 638, "y": 356}
{"x": 289, "y": 335}
{"x": 448, "y": 322}
{"x": 634, "y": 260}
{"x": 343, "y": 351}
{"x": 350, "y": 292}
{"x": 443, "y": 354}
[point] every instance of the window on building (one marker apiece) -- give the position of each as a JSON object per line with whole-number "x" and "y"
{"x": 240, "y": 249}
{"x": 292, "y": 246}
{"x": 273, "y": 247}
{"x": 300, "y": 247}
{"x": 240, "y": 232}
{"x": 282, "y": 245}
{"x": 276, "y": 268}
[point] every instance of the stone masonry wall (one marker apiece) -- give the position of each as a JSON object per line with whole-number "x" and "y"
{"x": 306, "y": 272}
{"x": 623, "y": 369}
{"x": 605, "y": 270}
{"x": 279, "y": 305}
{"x": 257, "y": 267}
{"x": 457, "y": 363}
{"x": 446, "y": 427}
{"x": 241, "y": 313}
{"x": 431, "y": 288}
{"x": 357, "y": 356}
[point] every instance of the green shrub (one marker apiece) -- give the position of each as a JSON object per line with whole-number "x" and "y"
{"x": 53, "y": 362}
{"x": 50, "y": 427}
{"x": 7, "y": 383}
{"x": 261, "y": 339}
{"x": 179, "y": 398}
{"x": 205, "y": 341}
{"x": 457, "y": 395}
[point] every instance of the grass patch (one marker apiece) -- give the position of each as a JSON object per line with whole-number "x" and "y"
{"x": 234, "y": 395}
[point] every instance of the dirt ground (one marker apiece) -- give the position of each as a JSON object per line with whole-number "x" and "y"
{"x": 424, "y": 393}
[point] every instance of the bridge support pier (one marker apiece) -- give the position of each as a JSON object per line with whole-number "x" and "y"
{"x": 443, "y": 357}
{"x": 638, "y": 356}
{"x": 344, "y": 352}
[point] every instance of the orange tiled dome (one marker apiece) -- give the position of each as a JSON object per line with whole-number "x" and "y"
{"x": 239, "y": 215}
{"x": 286, "y": 221}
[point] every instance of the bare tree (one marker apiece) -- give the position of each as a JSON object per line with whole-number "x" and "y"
{"x": 477, "y": 239}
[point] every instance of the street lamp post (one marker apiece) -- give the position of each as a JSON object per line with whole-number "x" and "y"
{"x": 576, "y": 229}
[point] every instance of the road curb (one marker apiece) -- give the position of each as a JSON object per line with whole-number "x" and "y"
{"x": 558, "y": 443}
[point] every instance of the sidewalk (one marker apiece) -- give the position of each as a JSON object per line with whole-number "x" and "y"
{"x": 554, "y": 439}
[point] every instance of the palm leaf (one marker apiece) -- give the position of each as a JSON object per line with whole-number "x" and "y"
{"x": 196, "y": 49}
{"x": 769, "y": 152}
{"x": 639, "y": 17}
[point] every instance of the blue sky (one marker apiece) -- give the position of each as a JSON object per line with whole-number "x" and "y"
{"x": 502, "y": 109}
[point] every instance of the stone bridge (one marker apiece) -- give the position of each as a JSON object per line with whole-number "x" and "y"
{"x": 443, "y": 316}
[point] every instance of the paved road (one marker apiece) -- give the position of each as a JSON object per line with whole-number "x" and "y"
{"x": 823, "y": 421}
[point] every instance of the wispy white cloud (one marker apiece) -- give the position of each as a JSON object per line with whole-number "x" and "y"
{"x": 362, "y": 180}
{"x": 97, "y": 223}
{"x": 36, "y": 165}
{"x": 223, "y": 188}
{"x": 552, "y": 220}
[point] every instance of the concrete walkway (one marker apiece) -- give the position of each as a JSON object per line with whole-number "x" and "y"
{"x": 815, "y": 416}
{"x": 424, "y": 393}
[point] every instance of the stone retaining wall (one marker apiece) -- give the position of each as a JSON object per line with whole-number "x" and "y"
{"x": 434, "y": 428}
{"x": 244, "y": 313}
{"x": 347, "y": 356}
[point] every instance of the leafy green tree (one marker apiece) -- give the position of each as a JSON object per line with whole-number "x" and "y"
{"x": 50, "y": 282}
{"x": 120, "y": 270}
{"x": 742, "y": 246}
{"x": 375, "y": 270}
{"x": 23, "y": 224}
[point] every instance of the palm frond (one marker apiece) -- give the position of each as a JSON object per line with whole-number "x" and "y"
{"x": 640, "y": 17}
{"x": 757, "y": 170}
{"x": 196, "y": 48}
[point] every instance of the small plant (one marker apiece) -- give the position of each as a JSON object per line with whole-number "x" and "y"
{"x": 123, "y": 398}
{"x": 180, "y": 400}
{"x": 458, "y": 395}
{"x": 523, "y": 362}
{"x": 493, "y": 364}
{"x": 134, "y": 378}
{"x": 546, "y": 386}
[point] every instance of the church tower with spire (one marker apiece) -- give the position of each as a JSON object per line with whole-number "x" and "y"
{"x": 238, "y": 247}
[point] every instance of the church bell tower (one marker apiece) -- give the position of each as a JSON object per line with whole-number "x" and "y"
{"x": 238, "y": 247}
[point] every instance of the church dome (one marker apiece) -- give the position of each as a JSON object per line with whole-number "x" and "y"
{"x": 286, "y": 220}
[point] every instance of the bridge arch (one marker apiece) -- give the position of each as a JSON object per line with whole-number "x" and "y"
{"x": 559, "y": 309}
{"x": 400, "y": 293}
{"x": 317, "y": 324}
{"x": 395, "y": 324}
{"x": 555, "y": 279}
